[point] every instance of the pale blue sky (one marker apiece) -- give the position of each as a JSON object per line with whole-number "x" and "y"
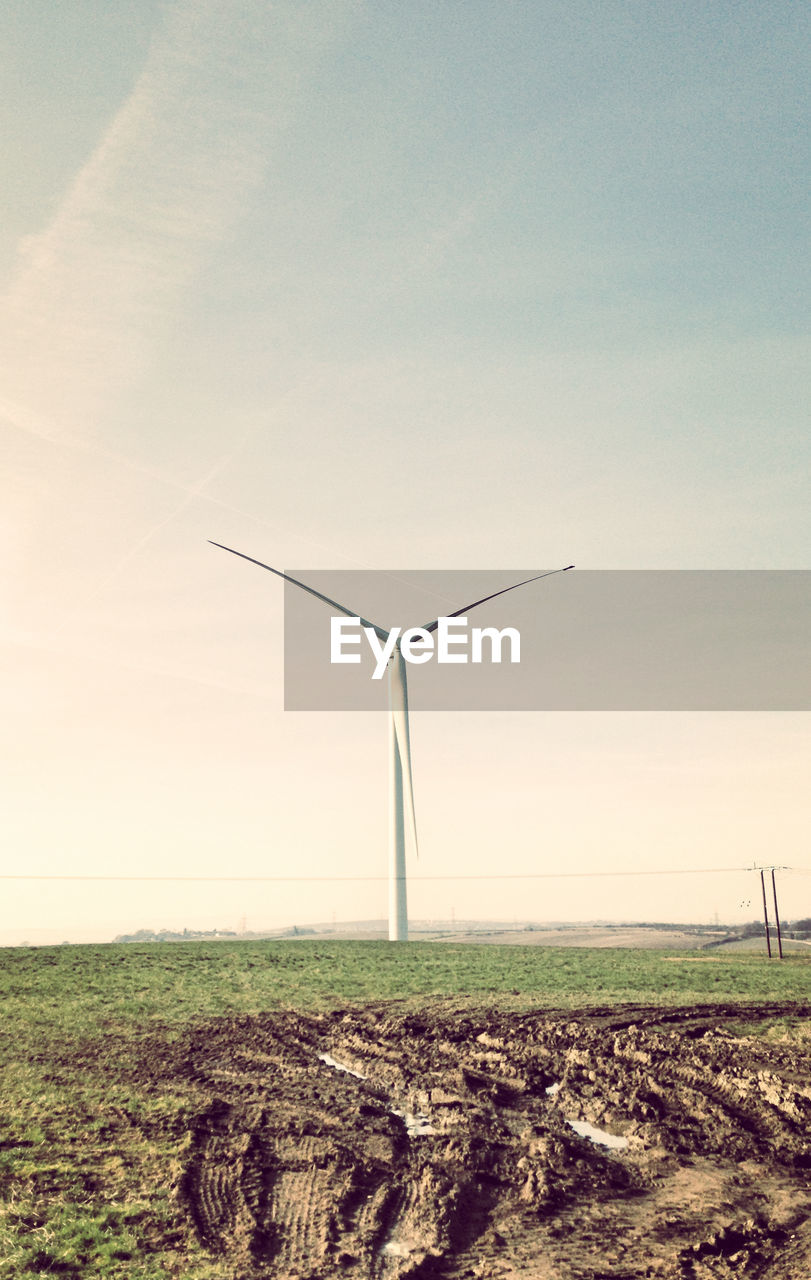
{"x": 470, "y": 285}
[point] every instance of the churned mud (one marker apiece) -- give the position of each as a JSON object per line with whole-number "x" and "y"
{"x": 440, "y": 1143}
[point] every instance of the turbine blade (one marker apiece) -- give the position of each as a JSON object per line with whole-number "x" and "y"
{"x": 398, "y": 700}
{"x": 432, "y": 626}
{"x": 350, "y": 613}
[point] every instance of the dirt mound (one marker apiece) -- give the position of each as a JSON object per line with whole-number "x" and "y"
{"x": 452, "y": 1144}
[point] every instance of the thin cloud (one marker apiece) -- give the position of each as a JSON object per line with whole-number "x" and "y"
{"x": 168, "y": 180}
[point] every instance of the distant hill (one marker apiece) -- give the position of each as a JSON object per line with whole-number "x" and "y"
{"x": 590, "y": 933}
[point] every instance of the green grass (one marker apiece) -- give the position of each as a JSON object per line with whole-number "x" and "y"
{"x": 80, "y": 991}
{"x": 90, "y": 1147}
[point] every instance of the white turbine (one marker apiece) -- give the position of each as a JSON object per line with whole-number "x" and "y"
{"x": 401, "y": 788}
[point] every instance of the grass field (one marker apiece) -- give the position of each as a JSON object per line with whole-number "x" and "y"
{"x": 91, "y": 1143}
{"x": 78, "y": 990}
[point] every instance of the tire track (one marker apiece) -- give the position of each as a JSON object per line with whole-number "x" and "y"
{"x": 297, "y": 1168}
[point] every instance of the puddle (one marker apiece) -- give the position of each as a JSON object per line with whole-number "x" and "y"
{"x": 598, "y": 1136}
{"x": 340, "y": 1066}
{"x": 585, "y": 1130}
{"x": 396, "y": 1249}
{"x": 417, "y": 1126}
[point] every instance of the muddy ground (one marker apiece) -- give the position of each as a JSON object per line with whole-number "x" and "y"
{"x": 450, "y": 1152}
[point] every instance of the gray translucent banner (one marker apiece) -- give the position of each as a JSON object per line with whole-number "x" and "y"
{"x": 618, "y": 640}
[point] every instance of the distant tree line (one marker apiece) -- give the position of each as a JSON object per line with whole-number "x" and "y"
{"x": 171, "y": 935}
{"x": 194, "y": 935}
{"x": 789, "y": 928}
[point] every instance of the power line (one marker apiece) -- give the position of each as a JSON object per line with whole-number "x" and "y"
{"x": 518, "y": 875}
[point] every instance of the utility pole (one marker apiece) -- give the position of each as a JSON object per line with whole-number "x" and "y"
{"x": 777, "y": 917}
{"x": 763, "y": 871}
{"x": 765, "y": 914}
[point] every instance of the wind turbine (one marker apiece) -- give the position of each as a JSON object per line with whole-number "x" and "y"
{"x": 401, "y": 788}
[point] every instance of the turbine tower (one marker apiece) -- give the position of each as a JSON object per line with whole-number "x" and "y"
{"x": 401, "y": 788}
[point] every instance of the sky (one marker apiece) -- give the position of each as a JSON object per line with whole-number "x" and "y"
{"x": 353, "y": 285}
